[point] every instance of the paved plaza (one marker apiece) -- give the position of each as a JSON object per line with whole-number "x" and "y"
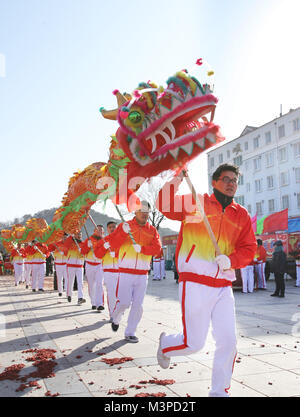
{"x": 267, "y": 364}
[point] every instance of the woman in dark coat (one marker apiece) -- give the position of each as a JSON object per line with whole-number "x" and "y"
{"x": 279, "y": 267}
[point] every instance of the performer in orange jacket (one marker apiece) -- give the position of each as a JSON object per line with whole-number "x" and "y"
{"x": 38, "y": 253}
{"x": 205, "y": 280}
{"x": 134, "y": 264}
{"x": 60, "y": 263}
{"x": 110, "y": 270}
{"x": 75, "y": 262}
{"x": 93, "y": 269}
{"x": 17, "y": 259}
{"x": 259, "y": 264}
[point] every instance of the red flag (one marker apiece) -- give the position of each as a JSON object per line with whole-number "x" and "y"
{"x": 276, "y": 222}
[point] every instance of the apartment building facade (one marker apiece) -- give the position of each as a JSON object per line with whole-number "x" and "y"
{"x": 269, "y": 161}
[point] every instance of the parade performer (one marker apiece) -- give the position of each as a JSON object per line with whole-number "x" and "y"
{"x": 156, "y": 268}
{"x": 110, "y": 269}
{"x": 17, "y": 259}
{"x": 75, "y": 262}
{"x": 259, "y": 265}
{"x": 94, "y": 269}
{"x": 247, "y": 274}
{"x": 205, "y": 280}
{"x": 27, "y": 265}
{"x": 162, "y": 265}
{"x": 297, "y": 260}
{"x": 134, "y": 264}
{"x": 60, "y": 263}
{"x": 39, "y": 253}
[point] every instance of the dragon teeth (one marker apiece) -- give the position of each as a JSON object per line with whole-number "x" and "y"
{"x": 174, "y": 152}
{"x": 211, "y": 137}
{"x": 188, "y": 148}
{"x": 201, "y": 143}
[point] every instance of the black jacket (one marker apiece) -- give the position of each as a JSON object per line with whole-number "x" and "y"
{"x": 279, "y": 263}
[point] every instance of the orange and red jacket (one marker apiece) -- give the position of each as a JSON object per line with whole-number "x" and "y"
{"x": 195, "y": 253}
{"x": 260, "y": 255}
{"x": 130, "y": 261}
{"x": 74, "y": 256}
{"x": 57, "y": 250}
{"x": 18, "y": 255}
{"x": 88, "y": 252}
{"x": 35, "y": 254}
{"x": 109, "y": 263}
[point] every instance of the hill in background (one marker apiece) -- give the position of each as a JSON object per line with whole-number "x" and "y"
{"x": 99, "y": 218}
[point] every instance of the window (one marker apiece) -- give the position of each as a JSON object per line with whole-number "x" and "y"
{"x": 257, "y": 164}
{"x": 298, "y": 200}
{"x": 221, "y": 158}
{"x": 238, "y": 160}
{"x": 270, "y": 182}
{"x": 282, "y": 155}
{"x": 269, "y": 159}
{"x": 249, "y": 208}
{"x": 256, "y": 142}
{"x": 284, "y": 179}
{"x": 268, "y": 138}
{"x": 246, "y": 146}
{"x": 211, "y": 162}
{"x": 296, "y": 147}
{"x": 241, "y": 180}
{"x": 228, "y": 154}
{"x": 281, "y": 131}
{"x": 240, "y": 200}
{"x": 271, "y": 205}
{"x": 297, "y": 174}
{"x": 296, "y": 124}
{"x": 259, "y": 211}
{"x": 285, "y": 200}
{"x": 258, "y": 186}
{"x": 248, "y": 187}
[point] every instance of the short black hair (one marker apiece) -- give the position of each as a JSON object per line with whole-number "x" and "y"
{"x": 100, "y": 225}
{"x": 259, "y": 241}
{"x": 225, "y": 167}
{"x": 110, "y": 222}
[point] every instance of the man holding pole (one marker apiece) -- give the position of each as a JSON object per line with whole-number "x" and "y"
{"x": 213, "y": 241}
{"x": 135, "y": 242}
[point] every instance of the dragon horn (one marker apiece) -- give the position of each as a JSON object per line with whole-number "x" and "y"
{"x": 121, "y": 99}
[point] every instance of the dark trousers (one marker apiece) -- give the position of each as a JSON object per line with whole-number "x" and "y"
{"x": 279, "y": 281}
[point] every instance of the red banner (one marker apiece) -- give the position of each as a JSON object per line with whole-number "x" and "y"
{"x": 276, "y": 222}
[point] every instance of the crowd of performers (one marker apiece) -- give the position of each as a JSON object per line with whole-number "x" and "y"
{"x": 122, "y": 258}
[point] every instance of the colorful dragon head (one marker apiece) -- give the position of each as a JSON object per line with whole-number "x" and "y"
{"x": 160, "y": 128}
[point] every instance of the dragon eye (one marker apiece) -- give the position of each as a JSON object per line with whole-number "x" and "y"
{"x": 135, "y": 117}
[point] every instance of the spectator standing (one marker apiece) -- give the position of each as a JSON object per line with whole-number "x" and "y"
{"x": 279, "y": 267}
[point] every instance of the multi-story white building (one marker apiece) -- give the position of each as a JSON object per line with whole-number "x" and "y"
{"x": 269, "y": 161}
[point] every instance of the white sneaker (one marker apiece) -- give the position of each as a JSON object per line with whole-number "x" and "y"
{"x": 163, "y": 360}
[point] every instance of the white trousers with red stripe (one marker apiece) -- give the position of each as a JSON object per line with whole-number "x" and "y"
{"x": 260, "y": 272}
{"x": 131, "y": 290}
{"x": 94, "y": 276}
{"x": 27, "y": 273}
{"x": 61, "y": 276}
{"x": 298, "y": 273}
{"x": 19, "y": 272}
{"x": 110, "y": 282}
{"x": 156, "y": 270}
{"x": 247, "y": 274}
{"x": 73, "y": 272}
{"x": 38, "y": 275}
{"x": 202, "y": 305}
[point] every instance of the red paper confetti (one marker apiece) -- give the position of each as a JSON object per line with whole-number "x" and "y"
{"x": 116, "y": 361}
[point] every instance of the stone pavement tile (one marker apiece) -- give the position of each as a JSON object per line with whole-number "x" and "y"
{"x": 113, "y": 378}
{"x": 66, "y": 383}
{"x": 180, "y": 372}
{"x": 285, "y": 360}
{"x": 8, "y": 389}
{"x": 274, "y": 384}
{"x": 245, "y": 365}
{"x": 132, "y": 392}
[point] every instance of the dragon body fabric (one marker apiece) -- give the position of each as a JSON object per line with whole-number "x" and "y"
{"x": 159, "y": 129}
